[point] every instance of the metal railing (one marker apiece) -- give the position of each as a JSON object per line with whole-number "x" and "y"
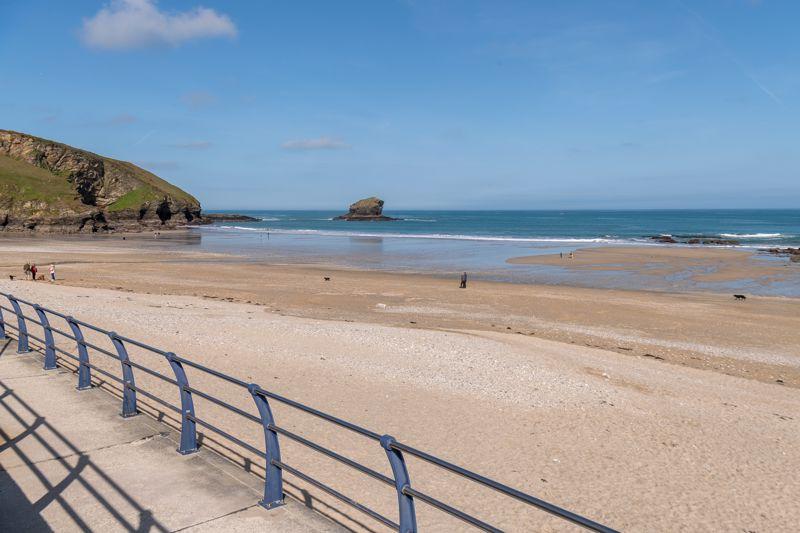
{"x": 274, "y": 464}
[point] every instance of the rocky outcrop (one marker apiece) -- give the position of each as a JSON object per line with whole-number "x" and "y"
{"x": 227, "y": 217}
{"x": 671, "y": 239}
{"x": 368, "y": 209}
{"x": 51, "y": 187}
{"x": 666, "y": 239}
{"x": 792, "y": 253}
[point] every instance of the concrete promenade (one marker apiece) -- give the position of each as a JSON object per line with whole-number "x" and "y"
{"x": 69, "y": 462}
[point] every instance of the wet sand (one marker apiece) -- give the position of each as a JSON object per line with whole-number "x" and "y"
{"x": 649, "y": 411}
{"x": 698, "y": 263}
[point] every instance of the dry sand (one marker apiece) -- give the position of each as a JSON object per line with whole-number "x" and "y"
{"x": 624, "y": 430}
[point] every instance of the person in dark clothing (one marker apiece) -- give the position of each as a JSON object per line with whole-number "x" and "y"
{"x": 34, "y": 270}
{"x": 463, "y": 281}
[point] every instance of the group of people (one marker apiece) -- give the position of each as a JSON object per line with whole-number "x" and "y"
{"x": 31, "y": 270}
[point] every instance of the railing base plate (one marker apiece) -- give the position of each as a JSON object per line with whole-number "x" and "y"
{"x": 130, "y": 415}
{"x": 271, "y": 505}
{"x": 88, "y": 387}
{"x": 187, "y": 452}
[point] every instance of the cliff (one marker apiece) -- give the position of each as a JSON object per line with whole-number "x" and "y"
{"x": 51, "y": 187}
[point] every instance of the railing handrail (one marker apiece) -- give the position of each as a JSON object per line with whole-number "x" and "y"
{"x": 273, "y": 482}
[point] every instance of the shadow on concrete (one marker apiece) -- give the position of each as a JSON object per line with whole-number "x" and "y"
{"x": 17, "y": 512}
{"x": 348, "y": 521}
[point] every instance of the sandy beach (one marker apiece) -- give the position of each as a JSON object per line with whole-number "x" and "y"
{"x": 649, "y": 411}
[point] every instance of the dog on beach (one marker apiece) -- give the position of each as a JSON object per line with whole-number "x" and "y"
{"x": 740, "y": 296}
{"x": 11, "y": 277}
{"x": 326, "y": 278}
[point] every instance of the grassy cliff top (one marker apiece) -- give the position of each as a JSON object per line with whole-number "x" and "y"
{"x": 33, "y": 169}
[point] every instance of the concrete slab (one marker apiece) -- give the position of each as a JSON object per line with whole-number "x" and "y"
{"x": 91, "y": 418}
{"x": 69, "y": 462}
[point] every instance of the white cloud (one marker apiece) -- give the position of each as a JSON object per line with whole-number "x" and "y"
{"x": 323, "y": 143}
{"x": 124, "y": 24}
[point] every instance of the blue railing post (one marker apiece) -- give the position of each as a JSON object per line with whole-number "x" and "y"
{"x": 49, "y": 343}
{"x": 408, "y": 516}
{"x": 128, "y": 393}
{"x": 84, "y": 370}
{"x": 22, "y": 338}
{"x": 2, "y": 326}
{"x": 188, "y": 425}
{"x": 273, "y": 483}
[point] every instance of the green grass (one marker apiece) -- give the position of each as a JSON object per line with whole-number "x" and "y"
{"x": 159, "y": 186}
{"x": 24, "y": 182}
{"x": 135, "y": 198}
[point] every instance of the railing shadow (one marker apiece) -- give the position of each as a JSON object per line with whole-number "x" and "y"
{"x": 18, "y": 513}
{"x": 207, "y": 440}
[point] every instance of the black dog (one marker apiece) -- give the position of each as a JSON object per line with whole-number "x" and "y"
{"x": 740, "y": 296}
{"x": 326, "y": 279}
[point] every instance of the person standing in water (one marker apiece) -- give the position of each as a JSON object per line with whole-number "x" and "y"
{"x": 463, "y": 281}
{"x": 52, "y": 272}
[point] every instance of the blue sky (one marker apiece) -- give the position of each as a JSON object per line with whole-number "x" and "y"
{"x": 428, "y": 104}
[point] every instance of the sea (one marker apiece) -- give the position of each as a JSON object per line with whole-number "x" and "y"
{"x": 480, "y": 242}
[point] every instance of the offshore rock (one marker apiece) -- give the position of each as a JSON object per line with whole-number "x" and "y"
{"x": 368, "y": 209}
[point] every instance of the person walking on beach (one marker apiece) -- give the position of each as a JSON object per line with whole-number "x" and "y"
{"x": 34, "y": 270}
{"x": 463, "y": 281}
{"x": 52, "y": 272}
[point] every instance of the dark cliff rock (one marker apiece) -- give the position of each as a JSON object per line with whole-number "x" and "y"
{"x": 47, "y": 186}
{"x": 792, "y": 253}
{"x": 670, "y": 239}
{"x": 368, "y": 209}
{"x": 667, "y": 239}
{"x": 208, "y": 218}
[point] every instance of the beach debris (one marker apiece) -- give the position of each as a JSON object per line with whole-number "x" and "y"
{"x": 381, "y": 306}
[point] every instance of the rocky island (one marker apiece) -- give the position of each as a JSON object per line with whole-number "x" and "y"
{"x": 209, "y": 218}
{"x": 47, "y": 186}
{"x": 368, "y": 209}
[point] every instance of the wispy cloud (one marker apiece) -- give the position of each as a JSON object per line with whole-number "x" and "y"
{"x": 712, "y": 35}
{"x": 127, "y": 24}
{"x": 193, "y": 145}
{"x": 144, "y": 137}
{"x": 121, "y": 119}
{"x": 322, "y": 143}
{"x": 198, "y": 99}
